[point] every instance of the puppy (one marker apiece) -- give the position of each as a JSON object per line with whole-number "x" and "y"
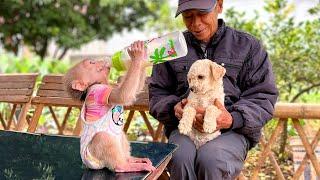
{"x": 205, "y": 83}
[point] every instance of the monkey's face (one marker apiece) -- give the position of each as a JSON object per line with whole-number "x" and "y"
{"x": 95, "y": 71}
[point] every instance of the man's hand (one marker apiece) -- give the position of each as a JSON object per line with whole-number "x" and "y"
{"x": 178, "y": 108}
{"x": 198, "y": 122}
{"x": 224, "y": 121}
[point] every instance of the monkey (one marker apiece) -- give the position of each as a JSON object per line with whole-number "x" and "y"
{"x": 103, "y": 142}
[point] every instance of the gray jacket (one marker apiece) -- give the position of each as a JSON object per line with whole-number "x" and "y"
{"x": 249, "y": 83}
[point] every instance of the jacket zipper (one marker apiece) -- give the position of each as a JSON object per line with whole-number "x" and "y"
{"x": 205, "y": 56}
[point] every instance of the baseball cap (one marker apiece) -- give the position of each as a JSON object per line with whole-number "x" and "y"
{"x": 204, "y": 5}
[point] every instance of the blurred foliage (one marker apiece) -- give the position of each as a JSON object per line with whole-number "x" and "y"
{"x": 68, "y": 23}
{"x": 315, "y": 10}
{"x": 293, "y": 46}
{"x": 13, "y": 64}
{"x": 166, "y": 22}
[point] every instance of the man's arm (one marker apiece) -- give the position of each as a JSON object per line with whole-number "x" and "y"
{"x": 258, "y": 97}
{"x": 161, "y": 94}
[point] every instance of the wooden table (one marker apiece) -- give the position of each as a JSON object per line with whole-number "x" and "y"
{"x": 38, "y": 156}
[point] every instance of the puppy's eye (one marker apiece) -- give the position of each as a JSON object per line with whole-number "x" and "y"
{"x": 92, "y": 62}
{"x": 200, "y": 77}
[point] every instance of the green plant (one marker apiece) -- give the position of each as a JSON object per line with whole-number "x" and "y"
{"x": 13, "y": 64}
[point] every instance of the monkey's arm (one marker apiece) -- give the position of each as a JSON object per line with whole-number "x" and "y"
{"x": 125, "y": 93}
{"x": 142, "y": 79}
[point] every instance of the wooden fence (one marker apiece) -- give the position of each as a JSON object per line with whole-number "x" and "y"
{"x": 294, "y": 112}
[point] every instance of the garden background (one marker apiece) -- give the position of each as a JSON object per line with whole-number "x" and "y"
{"x": 38, "y": 36}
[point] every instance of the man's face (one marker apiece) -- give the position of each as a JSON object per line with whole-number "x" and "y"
{"x": 203, "y": 25}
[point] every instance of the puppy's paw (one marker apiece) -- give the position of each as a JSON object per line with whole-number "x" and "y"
{"x": 184, "y": 128}
{"x": 209, "y": 125}
{"x": 208, "y": 129}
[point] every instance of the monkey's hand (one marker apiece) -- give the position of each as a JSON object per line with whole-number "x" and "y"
{"x": 134, "y": 167}
{"x": 139, "y": 160}
{"x": 137, "y": 52}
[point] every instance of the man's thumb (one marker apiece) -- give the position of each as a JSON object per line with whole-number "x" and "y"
{"x": 184, "y": 101}
{"x": 218, "y": 104}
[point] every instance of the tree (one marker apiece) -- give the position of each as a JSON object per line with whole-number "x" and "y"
{"x": 68, "y": 23}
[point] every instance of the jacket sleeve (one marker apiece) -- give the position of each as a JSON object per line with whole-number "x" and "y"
{"x": 259, "y": 94}
{"x": 161, "y": 94}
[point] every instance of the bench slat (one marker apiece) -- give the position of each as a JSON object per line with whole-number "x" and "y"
{"x": 14, "y": 99}
{"x": 53, "y": 93}
{"x": 18, "y": 77}
{"x": 142, "y": 102}
{"x": 13, "y": 92}
{"x": 15, "y": 85}
{"x": 143, "y": 95}
{"x": 137, "y": 107}
{"x": 53, "y": 79}
{"x": 51, "y": 86}
{"x": 56, "y": 101}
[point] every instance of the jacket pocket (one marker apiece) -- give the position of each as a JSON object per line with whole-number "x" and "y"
{"x": 232, "y": 65}
{"x": 232, "y": 71}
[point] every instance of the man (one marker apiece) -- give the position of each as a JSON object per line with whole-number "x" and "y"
{"x": 248, "y": 84}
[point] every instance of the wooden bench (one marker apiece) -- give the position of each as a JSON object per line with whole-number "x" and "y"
{"x": 52, "y": 94}
{"x": 16, "y": 89}
{"x": 141, "y": 105}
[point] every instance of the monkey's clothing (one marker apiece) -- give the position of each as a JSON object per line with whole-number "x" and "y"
{"x": 103, "y": 118}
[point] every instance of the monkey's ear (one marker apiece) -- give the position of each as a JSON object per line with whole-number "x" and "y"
{"x": 79, "y": 85}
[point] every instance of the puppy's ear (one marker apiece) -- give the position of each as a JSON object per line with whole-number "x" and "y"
{"x": 221, "y": 71}
{"x": 216, "y": 71}
{"x": 79, "y": 85}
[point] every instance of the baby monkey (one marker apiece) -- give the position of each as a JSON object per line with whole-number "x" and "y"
{"x": 103, "y": 142}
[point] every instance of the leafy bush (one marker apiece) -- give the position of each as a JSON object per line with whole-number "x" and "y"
{"x": 13, "y": 64}
{"x": 293, "y": 46}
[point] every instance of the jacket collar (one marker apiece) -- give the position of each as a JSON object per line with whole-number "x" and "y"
{"x": 214, "y": 40}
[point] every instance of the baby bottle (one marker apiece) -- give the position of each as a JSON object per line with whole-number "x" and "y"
{"x": 159, "y": 50}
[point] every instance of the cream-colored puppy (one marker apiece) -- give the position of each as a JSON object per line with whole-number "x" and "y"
{"x": 205, "y": 83}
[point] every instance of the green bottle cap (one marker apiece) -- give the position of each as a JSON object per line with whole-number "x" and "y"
{"x": 117, "y": 62}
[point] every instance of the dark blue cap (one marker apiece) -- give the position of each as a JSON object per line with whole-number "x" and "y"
{"x": 203, "y": 5}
